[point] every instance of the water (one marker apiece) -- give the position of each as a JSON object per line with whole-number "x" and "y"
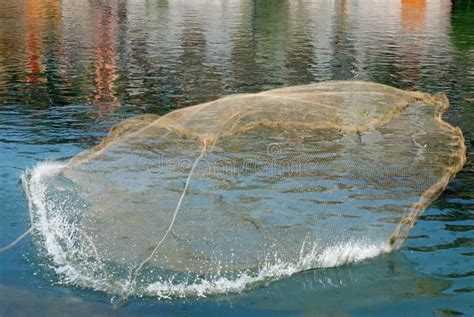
{"x": 69, "y": 70}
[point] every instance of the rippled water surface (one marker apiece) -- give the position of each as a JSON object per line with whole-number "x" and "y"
{"x": 70, "y": 69}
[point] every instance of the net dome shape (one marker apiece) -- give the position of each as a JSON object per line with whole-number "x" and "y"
{"x": 298, "y": 177}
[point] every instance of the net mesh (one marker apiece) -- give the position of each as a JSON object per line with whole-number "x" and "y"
{"x": 248, "y": 181}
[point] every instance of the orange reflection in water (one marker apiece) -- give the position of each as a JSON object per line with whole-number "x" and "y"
{"x": 412, "y": 23}
{"x": 35, "y": 13}
{"x": 105, "y": 67}
{"x": 41, "y": 16}
{"x": 413, "y": 15}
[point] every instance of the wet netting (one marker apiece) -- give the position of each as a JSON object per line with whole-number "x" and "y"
{"x": 249, "y": 188}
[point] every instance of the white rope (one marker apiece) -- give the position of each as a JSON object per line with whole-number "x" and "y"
{"x": 15, "y": 242}
{"x": 173, "y": 219}
{"x": 158, "y": 245}
{"x": 96, "y": 253}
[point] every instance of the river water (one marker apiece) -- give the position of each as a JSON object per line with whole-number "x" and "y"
{"x": 69, "y": 70}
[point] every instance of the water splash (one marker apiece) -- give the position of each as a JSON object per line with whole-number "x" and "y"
{"x": 57, "y": 237}
{"x": 350, "y": 252}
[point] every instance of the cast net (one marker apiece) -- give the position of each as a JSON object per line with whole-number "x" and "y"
{"x": 245, "y": 189}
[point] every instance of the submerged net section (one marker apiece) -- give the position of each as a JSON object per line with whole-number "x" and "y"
{"x": 246, "y": 188}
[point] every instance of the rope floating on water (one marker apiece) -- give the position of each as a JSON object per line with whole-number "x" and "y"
{"x": 17, "y": 240}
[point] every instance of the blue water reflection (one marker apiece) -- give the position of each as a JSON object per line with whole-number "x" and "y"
{"x": 69, "y": 70}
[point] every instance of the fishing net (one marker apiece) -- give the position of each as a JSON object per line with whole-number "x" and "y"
{"x": 248, "y": 186}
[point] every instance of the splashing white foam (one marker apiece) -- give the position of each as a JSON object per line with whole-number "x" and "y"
{"x": 58, "y": 238}
{"x": 56, "y": 234}
{"x": 35, "y": 191}
{"x": 349, "y": 252}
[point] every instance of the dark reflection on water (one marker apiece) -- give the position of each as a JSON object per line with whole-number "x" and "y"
{"x": 70, "y": 69}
